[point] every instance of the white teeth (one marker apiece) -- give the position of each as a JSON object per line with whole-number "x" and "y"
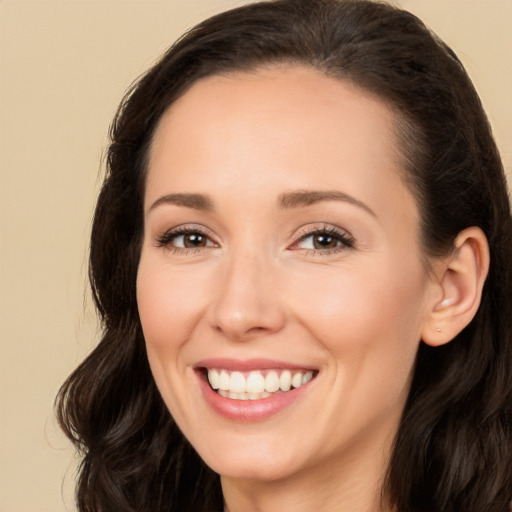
{"x": 272, "y": 382}
{"x": 213, "y": 377}
{"x": 307, "y": 377}
{"x": 237, "y": 396}
{"x": 285, "y": 381}
{"x": 297, "y": 379}
{"x": 237, "y": 386}
{"x": 224, "y": 380}
{"x": 255, "y": 383}
{"x": 237, "y": 383}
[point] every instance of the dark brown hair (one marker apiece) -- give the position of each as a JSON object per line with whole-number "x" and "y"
{"x": 453, "y": 450}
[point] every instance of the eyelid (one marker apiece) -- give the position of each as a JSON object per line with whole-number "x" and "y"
{"x": 346, "y": 239}
{"x": 165, "y": 238}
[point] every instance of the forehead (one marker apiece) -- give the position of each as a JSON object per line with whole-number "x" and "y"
{"x": 277, "y": 97}
{"x": 291, "y": 124}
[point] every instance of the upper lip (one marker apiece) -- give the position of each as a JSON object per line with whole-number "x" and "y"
{"x": 247, "y": 365}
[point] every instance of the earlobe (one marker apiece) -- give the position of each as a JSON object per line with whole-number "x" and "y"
{"x": 460, "y": 280}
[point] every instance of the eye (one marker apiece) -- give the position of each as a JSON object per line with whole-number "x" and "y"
{"x": 326, "y": 239}
{"x": 191, "y": 240}
{"x": 185, "y": 239}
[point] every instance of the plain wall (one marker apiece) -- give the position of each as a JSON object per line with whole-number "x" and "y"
{"x": 64, "y": 66}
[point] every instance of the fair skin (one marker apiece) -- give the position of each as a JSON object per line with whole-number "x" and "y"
{"x": 278, "y": 233}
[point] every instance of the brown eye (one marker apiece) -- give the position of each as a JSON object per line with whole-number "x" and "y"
{"x": 324, "y": 241}
{"x": 192, "y": 240}
{"x": 185, "y": 239}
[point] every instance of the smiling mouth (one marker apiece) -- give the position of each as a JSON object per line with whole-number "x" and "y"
{"x": 256, "y": 384}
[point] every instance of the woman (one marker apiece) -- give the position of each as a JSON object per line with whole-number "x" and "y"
{"x": 301, "y": 256}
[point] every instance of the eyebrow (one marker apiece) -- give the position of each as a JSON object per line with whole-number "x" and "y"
{"x": 295, "y": 199}
{"x": 299, "y": 198}
{"x": 196, "y": 201}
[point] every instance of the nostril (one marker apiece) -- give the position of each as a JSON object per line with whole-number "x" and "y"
{"x": 257, "y": 329}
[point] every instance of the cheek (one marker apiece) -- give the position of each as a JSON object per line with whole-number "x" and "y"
{"x": 170, "y": 306}
{"x": 368, "y": 318}
{"x": 358, "y": 301}
{"x": 169, "y": 302}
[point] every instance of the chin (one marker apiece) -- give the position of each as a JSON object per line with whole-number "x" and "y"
{"x": 254, "y": 472}
{"x": 260, "y": 463}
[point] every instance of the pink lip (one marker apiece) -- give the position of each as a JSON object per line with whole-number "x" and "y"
{"x": 249, "y": 365}
{"x": 248, "y": 410}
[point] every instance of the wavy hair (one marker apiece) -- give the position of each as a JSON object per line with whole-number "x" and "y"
{"x": 453, "y": 449}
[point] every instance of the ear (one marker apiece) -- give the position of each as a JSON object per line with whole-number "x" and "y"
{"x": 459, "y": 280}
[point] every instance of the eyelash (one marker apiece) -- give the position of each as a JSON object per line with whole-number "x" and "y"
{"x": 166, "y": 239}
{"x": 346, "y": 241}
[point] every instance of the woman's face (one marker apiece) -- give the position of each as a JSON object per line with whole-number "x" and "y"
{"x": 281, "y": 255}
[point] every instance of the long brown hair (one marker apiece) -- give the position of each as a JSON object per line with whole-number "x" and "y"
{"x": 453, "y": 450}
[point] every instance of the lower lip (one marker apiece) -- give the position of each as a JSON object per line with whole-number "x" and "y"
{"x": 250, "y": 410}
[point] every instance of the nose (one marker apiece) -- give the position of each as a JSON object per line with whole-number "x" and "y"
{"x": 247, "y": 302}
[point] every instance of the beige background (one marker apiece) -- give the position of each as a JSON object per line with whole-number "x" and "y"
{"x": 64, "y": 66}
